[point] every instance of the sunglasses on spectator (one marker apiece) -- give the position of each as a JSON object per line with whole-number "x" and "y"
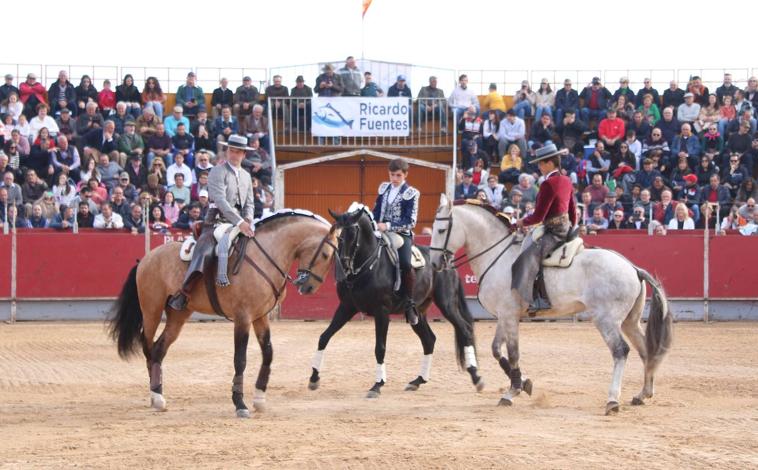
{"x": 750, "y": 206}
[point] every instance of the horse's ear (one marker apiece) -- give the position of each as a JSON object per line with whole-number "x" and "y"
{"x": 353, "y": 217}
{"x": 444, "y": 201}
{"x": 334, "y": 215}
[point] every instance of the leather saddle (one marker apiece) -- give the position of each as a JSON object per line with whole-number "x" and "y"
{"x": 393, "y": 242}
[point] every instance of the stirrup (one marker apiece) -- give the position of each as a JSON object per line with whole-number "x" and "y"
{"x": 178, "y": 301}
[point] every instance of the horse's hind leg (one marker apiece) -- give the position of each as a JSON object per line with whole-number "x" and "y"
{"x": 174, "y": 323}
{"x": 611, "y": 333}
{"x": 427, "y": 337}
{"x": 263, "y": 333}
{"x": 241, "y": 338}
{"x": 343, "y": 314}
{"x": 381, "y": 325}
{"x": 633, "y": 331}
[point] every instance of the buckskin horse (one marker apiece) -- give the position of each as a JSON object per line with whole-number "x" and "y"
{"x": 367, "y": 284}
{"x": 258, "y": 287}
{"x": 601, "y": 283}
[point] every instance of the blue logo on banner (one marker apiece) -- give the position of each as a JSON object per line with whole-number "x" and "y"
{"x": 327, "y": 115}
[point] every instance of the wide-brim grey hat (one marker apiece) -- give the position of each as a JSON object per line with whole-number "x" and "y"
{"x": 238, "y": 142}
{"x": 548, "y": 151}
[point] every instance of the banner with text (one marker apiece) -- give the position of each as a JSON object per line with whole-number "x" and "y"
{"x": 360, "y": 117}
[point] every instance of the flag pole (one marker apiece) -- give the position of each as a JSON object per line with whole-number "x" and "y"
{"x": 363, "y": 37}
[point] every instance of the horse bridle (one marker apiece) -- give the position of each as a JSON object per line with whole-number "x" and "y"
{"x": 454, "y": 262}
{"x": 308, "y": 271}
{"x": 349, "y": 269}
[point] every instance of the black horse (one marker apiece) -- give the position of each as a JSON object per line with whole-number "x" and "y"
{"x": 366, "y": 280}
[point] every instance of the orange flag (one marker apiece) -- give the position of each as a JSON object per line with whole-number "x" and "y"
{"x": 366, "y": 4}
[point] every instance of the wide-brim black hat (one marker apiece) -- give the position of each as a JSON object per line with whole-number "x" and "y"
{"x": 547, "y": 151}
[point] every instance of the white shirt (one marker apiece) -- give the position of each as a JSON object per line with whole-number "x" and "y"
{"x": 36, "y": 124}
{"x": 173, "y": 169}
{"x": 115, "y": 222}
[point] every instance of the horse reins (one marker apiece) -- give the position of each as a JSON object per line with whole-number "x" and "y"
{"x": 369, "y": 263}
{"x": 324, "y": 241}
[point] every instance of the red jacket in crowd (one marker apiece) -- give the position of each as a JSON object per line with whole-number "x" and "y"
{"x": 37, "y": 90}
{"x": 612, "y": 129}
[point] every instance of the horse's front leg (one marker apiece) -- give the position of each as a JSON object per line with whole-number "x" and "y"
{"x": 343, "y": 314}
{"x": 263, "y": 333}
{"x": 427, "y": 337}
{"x": 508, "y": 327}
{"x": 241, "y": 337}
{"x": 381, "y": 325}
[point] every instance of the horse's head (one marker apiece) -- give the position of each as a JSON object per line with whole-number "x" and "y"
{"x": 447, "y": 237}
{"x": 317, "y": 250}
{"x": 353, "y": 227}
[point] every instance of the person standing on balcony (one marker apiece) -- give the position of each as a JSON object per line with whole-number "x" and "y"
{"x": 301, "y": 116}
{"x": 329, "y": 83}
{"x": 370, "y": 88}
{"x": 273, "y": 92}
{"x": 351, "y": 77}
{"x": 462, "y": 97}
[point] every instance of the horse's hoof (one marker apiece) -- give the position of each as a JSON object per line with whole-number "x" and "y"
{"x": 259, "y": 405}
{"x": 243, "y": 413}
{"x": 314, "y": 385}
{"x": 505, "y": 402}
{"x": 527, "y": 386}
{"x": 373, "y": 394}
{"x": 479, "y": 385}
{"x": 157, "y": 402}
{"x": 611, "y": 408}
{"x": 411, "y": 387}
{"x": 637, "y": 401}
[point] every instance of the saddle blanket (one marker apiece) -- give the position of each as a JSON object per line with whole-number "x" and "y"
{"x": 563, "y": 256}
{"x": 188, "y": 246}
{"x": 395, "y": 241}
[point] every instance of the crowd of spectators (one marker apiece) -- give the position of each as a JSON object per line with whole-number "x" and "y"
{"x": 73, "y": 156}
{"x": 643, "y": 160}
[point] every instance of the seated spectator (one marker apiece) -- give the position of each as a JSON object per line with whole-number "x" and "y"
{"x": 203, "y": 163}
{"x": 545, "y": 102}
{"x": 490, "y": 142}
{"x": 15, "y": 218}
{"x": 494, "y": 192}
{"x": 565, "y": 99}
{"x": 471, "y": 154}
{"x": 734, "y": 174}
{"x": 480, "y": 174}
{"x": 85, "y": 93}
{"x": 657, "y": 188}
{"x": 48, "y": 205}
{"x": 245, "y": 97}
{"x": 462, "y": 98}
{"x": 189, "y": 218}
{"x": 134, "y": 221}
{"x": 190, "y": 97}
{"x": 256, "y": 124}
{"x": 66, "y": 125}
{"x": 38, "y": 219}
{"x": 157, "y": 169}
{"x": 64, "y": 220}
{"x": 98, "y": 193}
{"x": 686, "y": 145}
{"x": 688, "y": 111}
{"x": 597, "y": 222}
{"x": 172, "y": 122}
{"x": 109, "y": 170}
{"x": 153, "y": 97}
{"x": 709, "y": 114}
{"x": 120, "y": 117}
{"x": 179, "y": 167}
{"x": 136, "y": 171}
{"x": 610, "y": 206}
{"x": 656, "y": 229}
{"x": 159, "y": 145}
{"x": 656, "y": 141}
{"x": 740, "y": 142}
{"x": 129, "y": 94}
{"x": 748, "y": 190}
{"x": 624, "y": 91}
{"x": 87, "y": 170}
{"x": 617, "y": 221}
{"x": 594, "y": 101}
{"x": 64, "y": 192}
{"x": 88, "y": 121}
{"x": 542, "y": 132}
{"x": 107, "y": 219}
{"x": 147, "y": 124}
{"x": 222, "y": 97}
{"x": 527, "y": 188}
{"x": 638, "y": 220}
{"x": 370, "y": 88}
{"x": 204, "y": 202}
{"x": 42, "y": 120}
{"x": 599, "y": 162}
{"x": 571, "y": 132}
{"x": 169, "y": 207}
{"x": 677, "y": 175}
{"x": 183, "y": 143}
{"x": 12, "y": 106}
{"x": 154, "y": 189}
{"x": 669, "y": 125}
{"x": 645, "y": 203}
{"x": 179, "y": 190}
{"x": 224, "y": 126}
{"x": 751, "y": 228}
{"x": 130, "y": 144}
{"x": 431, "y": 105}
{"x": 624, "y": 109}
{"x": 200, "y": 185}
{"x": 258, "y": 162}
{"x": 119, "y": 203}
{"x": 640, "y": 126}
{"x": 131, "y": 193}
{"x": 711, "y": 142}
{"x": 663, "y": 211}
{"x": 597, "y": 190}
{"x": 624, "y": 157}
{"x": 99, "y": 142}
{"x": 493, "y": 101}
{"x": 512, "y": 131}
{"x": 84, "y": 218}
{"x": 681, "y": 219}
{"x": 716, "y": 193}
{"x": 649, "y": 110}
{"x": 700, "y": 91}
{"x": 727, "y": 113}
{"x": 61, "y": 94}
{"x": 158, "y": 220}
{"x": 467, "y": 189}
{"x": 470, "y": 126}
{"x": 611, "y": 131}
{"x": 202, "y": 131}
{"x": 276, "y": 91}
{"x": 32, "y": 93}
{"x": 32, "y": 189}
{"x": 106, "y": 99}
{"x": 524, "y": 100}
{"x": 15, "y": 193}
{"x": 705, "y": 170}
{"x": 511, "y": 166}
{"x": 570, "y": 166}
{"x": 691, "y": 195}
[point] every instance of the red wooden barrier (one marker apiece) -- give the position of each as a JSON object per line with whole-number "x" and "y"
{"x": 5, "y": 266}
{"x": 733, "y": 267}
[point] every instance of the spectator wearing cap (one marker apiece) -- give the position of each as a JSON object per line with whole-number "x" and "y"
{"x": 686, "y": 145}
{"x": 222, "y": 96}
{"x": 171, "y": 122}
{"x": 399, "y": 88}
{"x": 108, "y": 219}
{"x": 611, "y": 205}
{"x": 183, "y": 143}
{"x": 153, "y": 97}
{"x": 431, "y": 104}
{"x": 624, "y": 89}
{"x": 493, "y": 101}
{"x": 329, "y": 83}
{"x": 66, "y": 125}
{"x": 32, "y": 93}
{"x": 106, "y": 99}
{"x": 131, "y": 192}
{"x": 545, "y": 102}
{"x": 673, "y": 96}
{"x": 301, "y": 106}
{"x": 512, "y": 131}
{"x": 566, "y": 99}
{"x": 467, "y": 189}
{"x": 120, "y": 117}
{"x": 351, "y": 77}
{"x": 647, "y": 89}
{"x": 190, "y": 97}
{"x": 128, "y": 93}
{"x": 7, "y": 88}
{"x": 200, "y": 185}
{"x": 179, "y": 167}
{"x": 524, "y": 100}
{"x": 463, "y": 97}
{"x": 159, "y": 145}
{"x": 274, "y": 94}
{"x": 61, "y": 94}
{"x": 594, "y": 101}
{"x": 689, "y": 110}
{"x": 245, "y": 96}
{"x": 130, "y": 144}
{"x": 65, "y": 158}
{"x": 611, "y": 131}
{"x": 204, "y": 202}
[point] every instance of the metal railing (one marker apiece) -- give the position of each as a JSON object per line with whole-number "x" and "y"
{"x": 432, "y": 126}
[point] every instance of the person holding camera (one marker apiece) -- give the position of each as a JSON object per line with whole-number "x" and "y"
{"x": 329, "y": 83}
{"x": 190, "y": 97}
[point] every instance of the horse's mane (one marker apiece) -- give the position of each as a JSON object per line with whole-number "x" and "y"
{"x": 274, "y": 220}
{"x": 504, "y": 218}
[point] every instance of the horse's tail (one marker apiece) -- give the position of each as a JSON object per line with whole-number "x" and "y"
{"x": 659, "y": 332}
{"x": 126, "y": 317}
{"x": 455, "y": 310}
